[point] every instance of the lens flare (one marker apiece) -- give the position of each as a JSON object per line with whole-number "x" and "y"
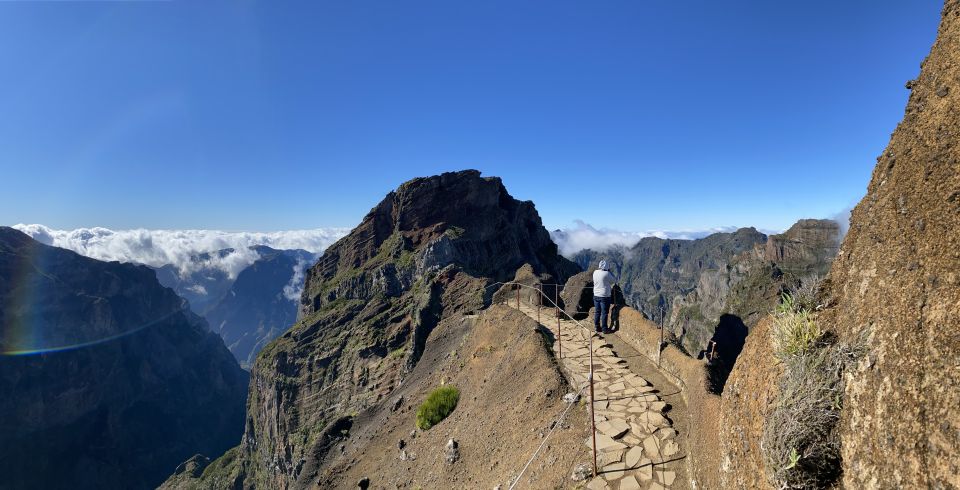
{"x": 25, "y": 324}
{"x": 61, "y": 348}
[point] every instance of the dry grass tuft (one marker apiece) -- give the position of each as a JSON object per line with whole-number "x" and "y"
{"x": 801, "y": 446}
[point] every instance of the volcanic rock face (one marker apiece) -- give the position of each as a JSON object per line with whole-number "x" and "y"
{"x": 124, "y": 382}
{"x": 421, "y": 257}
{"x": 428, "y": 223}
{"x": 897, "y": 281}
{"x": 730, "y": 279}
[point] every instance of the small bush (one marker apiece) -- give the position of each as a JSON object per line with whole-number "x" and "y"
{"x": 438, "y": 405}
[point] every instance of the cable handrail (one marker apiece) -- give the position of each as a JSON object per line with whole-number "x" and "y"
{"x": 556, "y": 305}
{"x": 557, "y": 423}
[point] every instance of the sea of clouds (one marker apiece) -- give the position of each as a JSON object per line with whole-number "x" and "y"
{"x": 157, "y": 248}
{"x": 582, "y": 236}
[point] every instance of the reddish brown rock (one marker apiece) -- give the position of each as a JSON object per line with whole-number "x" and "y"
{"x": 897, "y": 282}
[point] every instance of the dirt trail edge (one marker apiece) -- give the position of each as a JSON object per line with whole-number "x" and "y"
{"x": 638, "y": 445}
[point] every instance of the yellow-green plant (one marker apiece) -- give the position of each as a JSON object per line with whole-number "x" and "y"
{"x": 439, "y": 404}
{"x": 795, "y": 331}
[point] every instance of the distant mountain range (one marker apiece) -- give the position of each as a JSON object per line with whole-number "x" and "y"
{"x": 253, "y": 308}
{"x": 261, "y": 303}
{"x": 719, "y": 285}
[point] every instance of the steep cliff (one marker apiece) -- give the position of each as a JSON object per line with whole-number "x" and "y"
{"x": 422, "y": 257}
{"x": 109, "y": 381}
{"x": 897, "y": 281}
{"x": 894, "y": 293}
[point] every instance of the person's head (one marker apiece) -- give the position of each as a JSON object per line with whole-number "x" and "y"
{"x": 603, "y": 265}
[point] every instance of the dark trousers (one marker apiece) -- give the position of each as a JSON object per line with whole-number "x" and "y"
{"x": 601, "y": 307}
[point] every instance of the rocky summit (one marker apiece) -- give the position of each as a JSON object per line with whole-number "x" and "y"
{"x": 116, "y": 380}
{"x": 424, "y": 255}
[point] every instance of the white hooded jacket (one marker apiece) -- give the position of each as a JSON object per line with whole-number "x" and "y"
{"x": 602, "y": 283}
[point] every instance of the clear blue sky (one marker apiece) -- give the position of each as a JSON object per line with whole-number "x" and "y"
{"x": 276, "y": 115}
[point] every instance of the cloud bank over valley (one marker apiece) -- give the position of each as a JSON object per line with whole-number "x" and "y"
{"x": 181, "y": 248}
{"x": 583, "y": 236}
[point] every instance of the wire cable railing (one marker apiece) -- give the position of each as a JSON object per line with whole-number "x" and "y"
{"x": 518, "y": 286}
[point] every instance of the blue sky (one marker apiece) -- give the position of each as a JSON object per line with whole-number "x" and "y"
{"x": 632, "y": 115}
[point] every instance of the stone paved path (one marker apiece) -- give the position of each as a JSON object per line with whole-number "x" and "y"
{"x": 636, "y": 443}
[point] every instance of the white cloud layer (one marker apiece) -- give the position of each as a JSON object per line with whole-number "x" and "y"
{"x": 582, "y": 236}
{"x": 843, "y": 219}
{"x": 294, "y": 288}
{"x": 157, "y": 248}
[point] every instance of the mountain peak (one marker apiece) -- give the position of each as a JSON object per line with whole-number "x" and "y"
{"x": 428, "y": 223}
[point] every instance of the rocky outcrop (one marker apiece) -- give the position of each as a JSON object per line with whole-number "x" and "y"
{"x": 109, "y": 380}
{"x": 727, "y": 280}
{"x": 808, "y": 247}
{"x": 577, "y": 295}
{"x": 423, "y": 256}
{"x": 897, "y": 283}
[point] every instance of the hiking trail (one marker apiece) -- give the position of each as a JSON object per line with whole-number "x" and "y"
{"x": 638, "y": 446}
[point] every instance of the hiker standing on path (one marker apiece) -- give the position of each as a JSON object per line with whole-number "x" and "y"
{"x": 602, "y": 288}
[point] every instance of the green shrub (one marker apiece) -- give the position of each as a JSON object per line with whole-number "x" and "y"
{"x": 440, "y": 403}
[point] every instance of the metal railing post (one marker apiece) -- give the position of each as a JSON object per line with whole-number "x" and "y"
{"x": 660, "y": 345}
{"x": 593, "y": 408}
{"x": 539, "y": 299}
{"x": 556, "y": 294}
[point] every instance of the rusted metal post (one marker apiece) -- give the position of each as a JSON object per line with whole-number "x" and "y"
{"x": 556, "y": 301}
{"x": 539, "y": 299}
{"x": 593, "y": 407}
{"x": 660, "y": 345}
{"x": 518, "y": 295}
{"x": 556, "y": 294}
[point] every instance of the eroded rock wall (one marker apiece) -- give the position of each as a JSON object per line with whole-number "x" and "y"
{"x": 897, "y": 282}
